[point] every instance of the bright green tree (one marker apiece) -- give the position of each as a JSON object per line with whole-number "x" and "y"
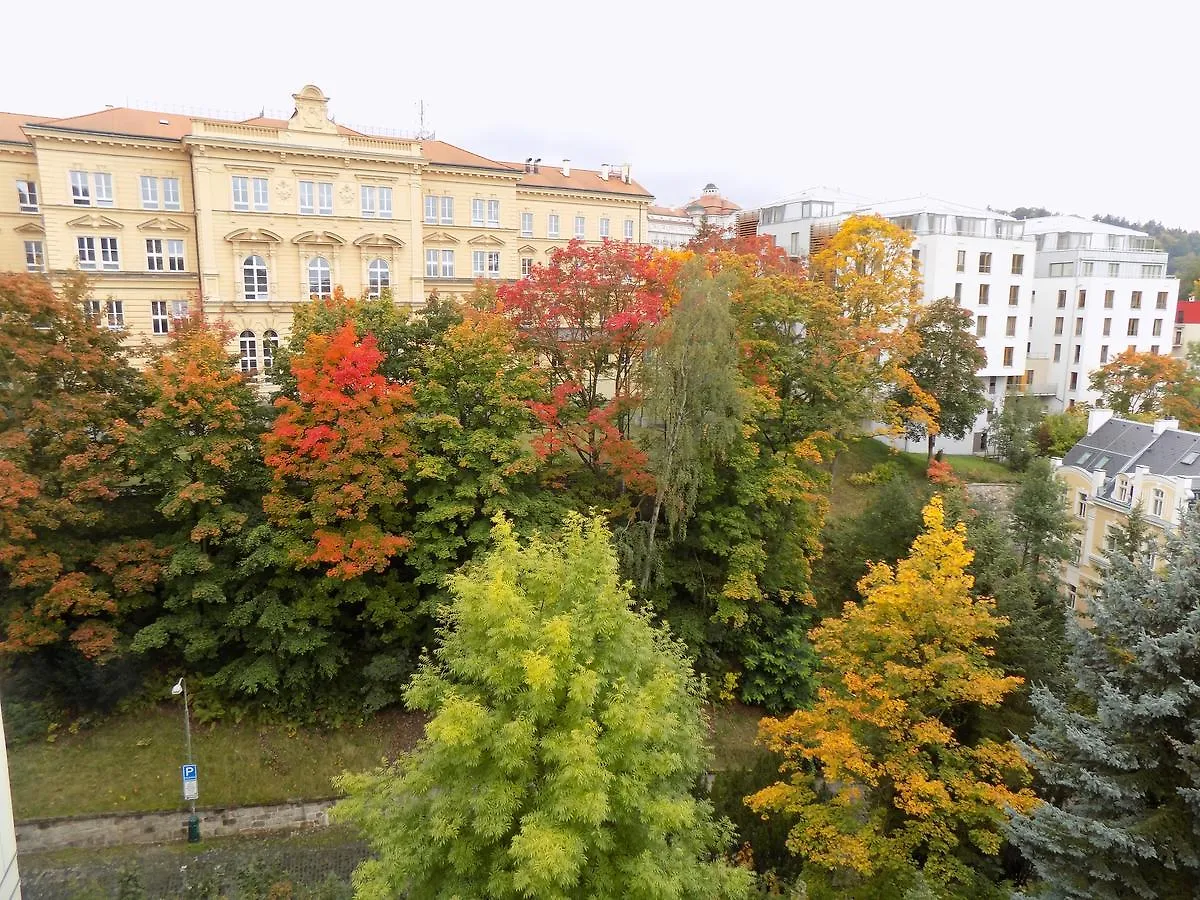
{"x": 1059, "y": 432}
{"x": 1042, "y": 522}
{"x": 1015, "y": 432}
{"x": 565, "y": 743}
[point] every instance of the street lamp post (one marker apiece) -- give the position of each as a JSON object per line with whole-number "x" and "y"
{"x": 193, "y": 820}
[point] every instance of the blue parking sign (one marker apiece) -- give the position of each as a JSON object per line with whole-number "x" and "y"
{"x": 189, "y": 773}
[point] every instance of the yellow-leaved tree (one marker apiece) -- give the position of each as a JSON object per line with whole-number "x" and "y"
{"x": 887, "y": 779}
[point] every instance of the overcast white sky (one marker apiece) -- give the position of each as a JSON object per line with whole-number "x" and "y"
{"x": 1082, "y": 107}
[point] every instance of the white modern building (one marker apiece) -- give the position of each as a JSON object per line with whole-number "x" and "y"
{"x": 669, "y": 228}
{"x": 1099, "y": 290}
{"x": 981, "y": 258}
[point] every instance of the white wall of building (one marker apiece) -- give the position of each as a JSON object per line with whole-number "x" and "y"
{"x": 666, "y": 232}
{"x": 10, "y": 880}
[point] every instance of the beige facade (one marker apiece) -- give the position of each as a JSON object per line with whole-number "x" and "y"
{"x": 170, "y": 213}
{"x": 1117, "y": 467}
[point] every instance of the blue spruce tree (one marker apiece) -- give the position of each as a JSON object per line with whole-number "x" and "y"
{"x": 1118, "y": 758}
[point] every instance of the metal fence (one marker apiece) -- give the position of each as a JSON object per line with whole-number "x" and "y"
{"x": 254, "y": 869}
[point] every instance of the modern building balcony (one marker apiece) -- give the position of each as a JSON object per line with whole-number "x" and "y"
{"x": 1043, "y": 389}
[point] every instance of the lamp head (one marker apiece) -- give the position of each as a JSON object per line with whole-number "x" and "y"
{"x": 178, "y": 688}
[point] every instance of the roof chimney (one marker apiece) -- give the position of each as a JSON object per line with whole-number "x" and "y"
{"x": 529, "y": 164}
{"x": 605, "y": 168}
{"x": 625, "y": 167}
{"x": 537, "y": 164}
{"x": 566, "y": 169}
{"x": 1161, "y": 425}
{"x": 1096, "y": 418}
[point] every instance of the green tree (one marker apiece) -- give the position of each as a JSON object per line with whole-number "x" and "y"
{"x": 1059, "y": 432}
{"x": 1014, "y": 435}
{"x": 1119, "y": 755}
{"x": 1135, "y": 384}
{"x": 565, "y": 743}
{"x": 944, "y": 367}
{"x": 1042, "y": 523}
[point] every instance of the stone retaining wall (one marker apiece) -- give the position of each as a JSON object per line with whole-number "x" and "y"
{"x": 152, "y": 828}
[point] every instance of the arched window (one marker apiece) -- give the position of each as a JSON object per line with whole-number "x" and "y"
{"x": 249, "y": 351}
{"x": 318, "y": 277}
{"x": 270, "y": 345}
{"x": 254, "y": 277}
{"x": 378, "y": 277}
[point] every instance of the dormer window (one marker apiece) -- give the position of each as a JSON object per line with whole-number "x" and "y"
{"x": 1124, "y": 490}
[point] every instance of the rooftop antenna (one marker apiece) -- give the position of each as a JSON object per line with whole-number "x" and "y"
{"x": 422, "y": 134}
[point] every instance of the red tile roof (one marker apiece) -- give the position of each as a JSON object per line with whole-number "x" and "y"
{"x": 123, "y": 120}
{"x": 439, "y": 152}
{"x": 579, "y": 180}
{"x": 713, "y": 205}
{"x": 10, "y": 126}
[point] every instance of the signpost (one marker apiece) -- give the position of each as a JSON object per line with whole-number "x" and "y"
{"x": 190, "y": 788}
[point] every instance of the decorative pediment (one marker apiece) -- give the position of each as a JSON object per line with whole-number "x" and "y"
{"x": 440, "y": 237}
{"x": 160, "y": 223}
{"x": 486, "y": 240}
{"x": 30, "y": 228}
{"x": 254, "y": 235}
{"x": 379, "y": 240}
{"x": 318, "y": 237}
{"x": 94, "y": 220}
{"x": 527, "y": 250}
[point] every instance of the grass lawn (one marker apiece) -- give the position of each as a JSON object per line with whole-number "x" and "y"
{"x": 130, "y": 763}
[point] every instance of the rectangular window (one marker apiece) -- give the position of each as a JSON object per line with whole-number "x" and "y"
{"x": 431, "y": 263}
{"x": 447, "y": 210}
{"x": 160, "y": 322}
{"x": 1114, "y": 270}
{"x": 431, "y": 210}
{"x": 385, "y": 203}
{"x": 115, "y": 314}
{"x": 580, "y": 227}
{"x": 1087, "y": 269}
{"x": 1082, "y": 299}
{"x": 493, "y": 213}
{"x": 81, "y": 193}
{"x": 1018, "y": 264}
{"x": 377, "y": 201}
{"x": 1152, "y": 271}
{"x": 1062, "y": 270}
{"x": 1074, "y": 381}
{"x": 1135, "y": 300}
{"x": 1156, "y": 330}
{"x": 1062, "y": 299}
{"x": 179, "y": 309}
{"x": 155, "y": 261}
{"x": 308, "y": 205}
{"x": 1107, "y": 327}
{"x": 526, "y": 224}
{"x": 1078, "y": 327}
{"x": 1161, "y": 302}
{"x": 103, "y": 183}
{"x": 1156, "y": 506}
{"x": 1154, "y": 349}
{"x": 175, "y": 256}
{"x": 1076, "y": 552}
{"x": 93, "y": 310}
{"x": 958, "y": 292}
{"x": 241, "y": 192}
{"x": 260, "y": 194}
{"x": 35, "y": 257}
{"x": 981, "y": 326}
{"x": 1058, "y": 325}
{"x": 493, "y": 264}
{"x": 325, "y": 198}
{"x": 960, "y": 264}
{"x": 1008, "y": 356}
{"x": 985, "y": 263}
{"x": 984, "y": 291}
{"x": 149, "y": 192}
{"x": 1010, "y": 327}
{"x": 477, "y": 212}
{"x": 1014, "y": 294}
{"x": 552, "y": 225}
{"x": 367, "y": 204}
{"x": 171, "y": 195}
{"x": 1078, "y": 351}
{"x": 603, "y": 227}
{"x": 629, "y": 229}
{"x": 1108, "y": 299}
{"x": 27, "y": 196}
{"x": 1103, "y": 354}
{"x": 1058, "y": 352}
{"x": 1132, "y": 329}
{"x": 85, "y": 250}
{"x": 992, "y": 385}
{"x": 526, "y": 266}
{"x": 109, "y": 255}
{"x": 447, "y": 263}
{"x": 478, "y": 263}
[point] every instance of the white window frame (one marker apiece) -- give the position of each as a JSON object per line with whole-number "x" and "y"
{"x": 581, "y": 227}
{"x": 629, "y": 229}
{"x": 325, "y": 198}
{"x": 239, "y": 193}
{"x": 526, "y": 224}
{"x": 1081, "y": 502}
{"x": 255, "y": 278}
{"x": 306, "y": 198}
{"x": 379, "y": 277}
{"x": 149, "y": 188}
{"x": 319, "y": 275}
{"x": 477, "y": 211}
{"x": 27, "y": 196}
{"x": 262, "y": 194}
{"x": 431, "y": 209}
{"x": 478, "y": 263}
{"x": 493, "y": 214}
{"x": 526, "y": 266}
{"x": 93, "y": 310}
{"x": 110, "y": 254}
{"x": 156, "y": 260}
{"x": 179, "y": 309}
{"x": 175, "y": 260}
{"x": 114, "y": 314}
{"x": 385, "y": 202}
{"x": 493, "y": 263}
{"x": 1157, "y": 504}
{"x": 431, "y": 263}
{"x": 81, "y": 189}
{"x": 447, "y": 205}
{"x": 171, "y": 195}
{"x": 270, "y": 343}
{"x": 447, "y": 264}
{"x": 552, "y": 225}
{"x": 160, "y": 322}
{"x": 366, "y": 195}
{"x": 85, "y": 252}
{"x": 248, "y": 350}
{"x": 103, "y": 184}
{"x": 35, "y": 256}
{"x": 604, "y": 225}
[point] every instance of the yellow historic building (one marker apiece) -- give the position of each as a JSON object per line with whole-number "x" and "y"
{"x": 1118, "y": 466}
{"x": 168, "y": 213}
